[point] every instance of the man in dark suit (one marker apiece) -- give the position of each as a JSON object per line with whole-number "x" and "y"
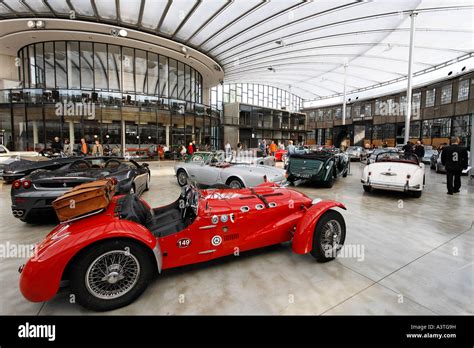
{"x": 454, "y": 158}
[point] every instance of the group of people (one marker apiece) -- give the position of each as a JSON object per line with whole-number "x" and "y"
{"x": 190, "y": 150}
{"x": 454, "y": 158}
{"x": 58, "y": 146}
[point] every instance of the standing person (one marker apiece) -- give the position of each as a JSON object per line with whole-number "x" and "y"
{"x": 56, "y": 145}
{"x": 228, "y": 149}
{"x": 273, "y": 148}
{"x": 281, "y": 145}
{"x": 291, "y": 148}
{"x": 419, "y": 150}
{"x": 190, "y": 149}
{"x": 455, "y": 158}
{"x": 194, "y": 146}
{"x": 97, "y": 149}
{"x": 182, "y": 151}
{"x": 84, "y": 148}
{"x": 408, "y": 148}
{"x": 67, "y": 149}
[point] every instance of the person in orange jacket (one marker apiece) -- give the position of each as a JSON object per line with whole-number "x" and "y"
{"x": 273, "y": 148}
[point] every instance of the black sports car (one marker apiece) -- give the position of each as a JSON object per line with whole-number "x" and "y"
{"x": 18, "y": 168}
{"x": 35, "y": 193}
{"x": 320, "y": 167}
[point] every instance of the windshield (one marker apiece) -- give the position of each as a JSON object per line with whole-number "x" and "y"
{"x": 395, "y": 156}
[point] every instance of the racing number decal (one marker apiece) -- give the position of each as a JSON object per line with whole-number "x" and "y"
{"x": 183, "y": 242}
{"x": 216, "y": 240}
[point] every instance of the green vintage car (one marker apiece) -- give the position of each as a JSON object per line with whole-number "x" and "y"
{"x": 320, "y": 167}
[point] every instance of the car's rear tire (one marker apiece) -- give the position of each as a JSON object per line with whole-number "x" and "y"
{"x": 329, "y": 229}
{"x": 367, "y": 188}
{"x": 235, "y": 183}
{"x": 128, "y": 273}
{"x": 330, "y": 183}
{"x": 416, "y": 194}
{"x": 182, "y": 177}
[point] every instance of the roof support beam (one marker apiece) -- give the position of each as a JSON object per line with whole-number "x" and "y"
{"x": 185, "y": 20}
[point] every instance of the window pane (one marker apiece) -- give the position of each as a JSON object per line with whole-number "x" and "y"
{"x": 140, "y": 71}
{"x": 49, "y": 64}
{"x": 39, "y": 65}
{"x": 173, "y": 78}
{"x": 187, "y": 83}
{"x": 60, "y": 54}
{"x": 180, "y": 80}
{"x": 32, "y": 67}
{"x": 463, "y": 90}
{"x": 446, "y": 93}
{"x": 86, "y": 65}
{"x": 100, "y": 66}
{"x": 115, "y": 68}
{"x": 163, "y": 76}
{"x": 127, "y": 65}
{"x": 73, "y": 73}
{"x": 430, "y": 97}
{"x": 152, "y": 75}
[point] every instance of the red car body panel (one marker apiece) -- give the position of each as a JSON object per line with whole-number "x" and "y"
{"x": 279, "y": 155}
{"x": 287, "y": 215}
{"x": 303, "y": 238}
{"x": 41, "y": 276}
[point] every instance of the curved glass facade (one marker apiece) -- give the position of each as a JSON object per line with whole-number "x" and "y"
{"x": 125, "y": 97}
{"x": 104, "y": 67}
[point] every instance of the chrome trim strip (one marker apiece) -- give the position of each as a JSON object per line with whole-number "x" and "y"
{"x": 207, "y": 251}
{"x": 208, "y": 227}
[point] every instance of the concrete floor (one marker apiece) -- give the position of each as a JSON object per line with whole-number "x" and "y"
{"x": 417, "y": 259}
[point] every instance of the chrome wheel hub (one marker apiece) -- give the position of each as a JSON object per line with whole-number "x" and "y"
{"x": 331, "y": 236}
{"x": 112, "y": 274}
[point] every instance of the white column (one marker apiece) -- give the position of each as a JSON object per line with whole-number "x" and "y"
{"x": 167, "y": 135}
{"x": 410, "y": 76}
{"x": 71, "y": 133}
{"x": 344, "y": 95}
{"x": 35, "y": 133}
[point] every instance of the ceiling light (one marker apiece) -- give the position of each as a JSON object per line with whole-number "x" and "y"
{"x": 31, "y": 24}
{"x": 39, "y": 24}
{"x": 36, "y": 24}
{"x": 123, "y": 33}
{"x": 184, "y": 49}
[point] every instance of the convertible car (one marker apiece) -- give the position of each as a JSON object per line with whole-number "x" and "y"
{"x": 35, "y": 193}
{"x": 320, "y": 167}
{"x": 395, "y": 171}
{"x": 23, "y": 166}
{"x": 209, "y": 169}
{"x": 356, "y": 153}
{"x": 111, "y": 256}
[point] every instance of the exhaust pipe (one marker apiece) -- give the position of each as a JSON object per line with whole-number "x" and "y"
{"x": 18, "y": 213}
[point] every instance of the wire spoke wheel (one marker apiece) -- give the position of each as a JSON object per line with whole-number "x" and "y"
{"x": 331, "y": 237}
{"x": 112, "y": 275}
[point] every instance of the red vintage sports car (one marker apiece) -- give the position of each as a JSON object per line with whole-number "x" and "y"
{"x": 110, "y": 256}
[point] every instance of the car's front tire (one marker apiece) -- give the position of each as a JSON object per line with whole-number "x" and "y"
{"x": 182, "y": 177}
{"x": 329, "y": 236}
{"x": 147, "y": 184}
{"x": 111, "y": 274}
{"x": 367, "y": 188}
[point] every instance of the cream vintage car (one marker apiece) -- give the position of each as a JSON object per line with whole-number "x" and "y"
{"x": 395, "y": 171}
{"x": 6, "y": 154}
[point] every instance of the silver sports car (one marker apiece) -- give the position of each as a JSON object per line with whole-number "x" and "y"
{"x": 213, "y": 168}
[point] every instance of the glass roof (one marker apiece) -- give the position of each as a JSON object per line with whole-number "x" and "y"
{"x": 290, "y": 44}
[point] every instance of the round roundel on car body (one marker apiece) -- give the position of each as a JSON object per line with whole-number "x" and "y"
{"x": 215, "y": 219}
{"x": 216, "y": 240}
{"x": 224, "y": 218}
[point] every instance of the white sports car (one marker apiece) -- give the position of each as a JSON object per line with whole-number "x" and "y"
{"x": 395, "y": 171}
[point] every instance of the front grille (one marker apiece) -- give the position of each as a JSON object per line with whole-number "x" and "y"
{"x": 230, "y": 237}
